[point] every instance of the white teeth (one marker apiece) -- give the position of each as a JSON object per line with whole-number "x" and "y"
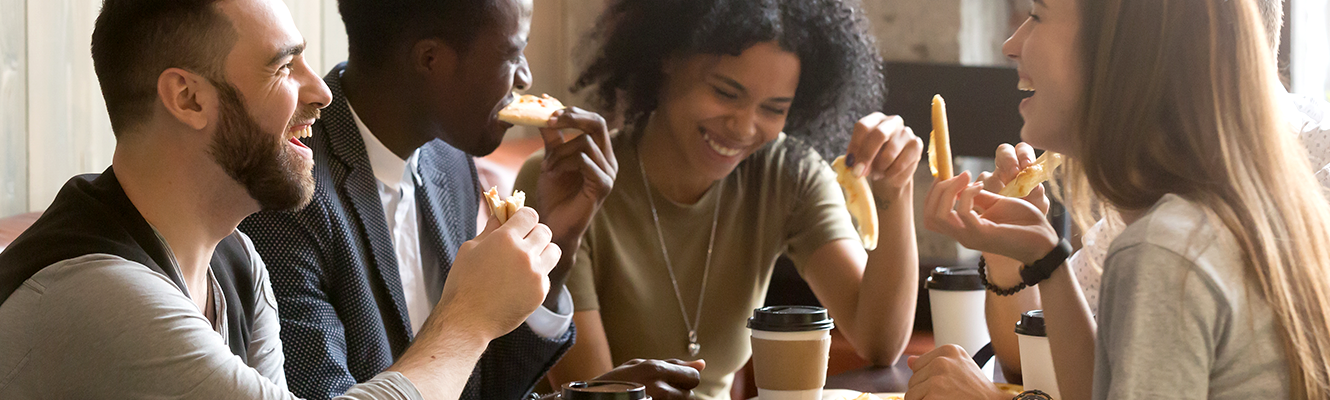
{"x": 724, "y": 151}
{"x": 1025, "y": 86}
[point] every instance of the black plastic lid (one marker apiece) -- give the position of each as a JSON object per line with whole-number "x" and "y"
{"x": 604, "y": 390}
{"x": 954, "y": 279}
{"x": 790, "y": 319}
{"x": 1031, "y": 323}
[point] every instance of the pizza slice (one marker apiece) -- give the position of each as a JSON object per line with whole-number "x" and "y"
{"x": 859, "y": 201}
{"x": 530, "y": 110}
{"x": 1033, "y": 175}
{"x": 504, "y": 209}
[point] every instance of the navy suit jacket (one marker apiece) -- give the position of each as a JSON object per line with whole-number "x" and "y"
{"x": 334, "y": 270}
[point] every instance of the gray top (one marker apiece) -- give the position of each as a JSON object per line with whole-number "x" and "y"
{"x": 101, "y": 326}
{"x": 1177, "y": 318}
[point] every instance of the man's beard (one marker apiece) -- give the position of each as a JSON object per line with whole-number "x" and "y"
{"x": 276, "y": 177}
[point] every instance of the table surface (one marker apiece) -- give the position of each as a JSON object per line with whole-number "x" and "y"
{"x": 892, "y": 379}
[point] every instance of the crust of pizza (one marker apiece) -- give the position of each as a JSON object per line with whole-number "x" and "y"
{"x": 1033, "y": 175}
{"x": 530, "y": 110}
{"x": 939, "y": 141}
{"x": 859, "y": 201}
{"x": 504, "y": 209}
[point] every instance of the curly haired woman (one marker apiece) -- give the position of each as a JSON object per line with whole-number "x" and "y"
{"x": 730, "y": 107}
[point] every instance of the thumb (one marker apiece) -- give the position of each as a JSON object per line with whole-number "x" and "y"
{"x": 910, "y": 361}
{"x": 698, "y": 364}
{"x": 986, "y": 199}
{"x": 490, "y": 227}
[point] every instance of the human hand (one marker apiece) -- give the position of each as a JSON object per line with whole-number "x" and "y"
{"x": 499, "y": 278}
{"x": 886, "y": 151}
{"x": 1009, "y": 227}
{"x": 1011, "y": 161}
{"x": 576, "y": 175}
{"x": 947, "y": 372}
{"x": 665, "y": 380}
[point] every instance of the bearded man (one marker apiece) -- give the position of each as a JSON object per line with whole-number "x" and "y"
{"x": 135, "y": 282}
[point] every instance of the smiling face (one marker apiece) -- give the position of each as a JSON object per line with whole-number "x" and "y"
{"x": 1045, "y": 49}
{"x": 270, "y": 98}
{"x": 719, "y": 109}
{"x": 466, "y": 103}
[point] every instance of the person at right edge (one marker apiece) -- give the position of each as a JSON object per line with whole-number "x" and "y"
{"x": 1309, "y": 116}
{"x": 1218, "y": 287}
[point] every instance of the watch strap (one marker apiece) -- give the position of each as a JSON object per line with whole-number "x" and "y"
{"x": 1039, "y": 271}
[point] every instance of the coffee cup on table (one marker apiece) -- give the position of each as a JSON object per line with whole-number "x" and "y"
{"x": 604, "y": 390}
{"x": 1036, "y": 359}
{"x": 956, "y": 298}
{"x": 790, "y": 349}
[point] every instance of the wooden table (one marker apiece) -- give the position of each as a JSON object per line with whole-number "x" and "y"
{"x": 893, "y": 379}
{"x": 873, "y": 379}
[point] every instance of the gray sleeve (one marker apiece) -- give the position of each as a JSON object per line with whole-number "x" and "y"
{"x": 1157, "y": 321}
{"x": 265, "y": 343}
{"x": 126, "y": 332}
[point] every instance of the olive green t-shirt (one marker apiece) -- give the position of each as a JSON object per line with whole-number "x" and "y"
{"x": 769, "y": 205}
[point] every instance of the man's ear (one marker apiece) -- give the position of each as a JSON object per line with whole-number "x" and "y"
{"x": 187, "y": 96}
{"x": 434, "y": 58}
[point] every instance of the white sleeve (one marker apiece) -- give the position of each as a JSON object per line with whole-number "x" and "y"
{"x": 552, "y": 324}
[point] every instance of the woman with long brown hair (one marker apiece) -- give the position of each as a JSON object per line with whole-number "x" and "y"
{"x": 1219, "y": 287}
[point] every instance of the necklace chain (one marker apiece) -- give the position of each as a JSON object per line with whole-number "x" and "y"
{"x": 693, "y": 346}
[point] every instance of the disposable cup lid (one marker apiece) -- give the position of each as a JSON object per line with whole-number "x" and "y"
{"x": 954, "y": 279}
{"x": 790, "y": 319}
{"x": 604, "y": 390}
{"x": 1031, "y": 323}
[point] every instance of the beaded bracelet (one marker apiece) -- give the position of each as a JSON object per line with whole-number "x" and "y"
{"x": 983, "y": 266}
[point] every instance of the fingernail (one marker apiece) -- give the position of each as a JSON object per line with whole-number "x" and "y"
{"x": 552, "y": 121}
{"x": 859, "y": 170}
{"x": 849, "y": 159}
{"x": 878, "y": 176}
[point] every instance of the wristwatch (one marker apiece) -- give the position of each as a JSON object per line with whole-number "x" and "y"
{"x": 1039, "y": 271}
{"x": 1033, "y": 395}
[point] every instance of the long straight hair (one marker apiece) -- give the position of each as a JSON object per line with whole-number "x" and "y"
{"x": 1179, "y": 98}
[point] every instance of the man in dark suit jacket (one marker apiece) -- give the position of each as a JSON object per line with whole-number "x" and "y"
{"x": 358, "y": 270}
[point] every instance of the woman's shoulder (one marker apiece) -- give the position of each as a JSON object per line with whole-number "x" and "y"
{"x": 1183, "y": 235}
{"x": 787, "y": 156}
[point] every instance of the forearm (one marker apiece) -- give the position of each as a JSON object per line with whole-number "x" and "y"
{"x": 1002, "y": 312}
{"x": 1071, "y": 333}
{"x": 884, "y": 312}
{"x": 559, "y": 276}
{"x": 441, "y": 358}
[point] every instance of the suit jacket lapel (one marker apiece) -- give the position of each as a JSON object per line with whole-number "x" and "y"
{"x": 445, "y": 226}
{"x": 360, "y": 186}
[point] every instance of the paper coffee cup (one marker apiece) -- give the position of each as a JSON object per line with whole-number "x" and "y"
{"x": 604, "y": 390}
{"x": 1036, "y": 359}
{"x": 790, "y": 349}
{"x": 956, "y": 298}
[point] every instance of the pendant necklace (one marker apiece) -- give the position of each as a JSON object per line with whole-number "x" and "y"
{"x": 693, "y": 346}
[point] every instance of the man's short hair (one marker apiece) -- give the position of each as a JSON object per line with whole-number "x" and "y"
{"x": 1272, "y": 16}
{"x": 377, "y": 28}
{"x": 135, "y": 40}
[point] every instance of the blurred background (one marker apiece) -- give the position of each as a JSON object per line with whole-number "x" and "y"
{"x": 53, "y": 123}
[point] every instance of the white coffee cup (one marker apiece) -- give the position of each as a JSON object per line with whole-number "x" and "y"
{"x": 956, "y": 297}
{"x": 1036, "y": 358}
{"x": 791, "y": 345}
